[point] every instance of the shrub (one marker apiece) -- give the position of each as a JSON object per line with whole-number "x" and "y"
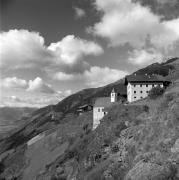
{"x": 2, "y": 167}
{"x": 155, "y": 92}
{"x": 72, "y": 153}
{"x": 146, "y": 108}
{"x": 115, "y": 149}
{"x": 86, "y": 128}
{"x": 119, "y": 128}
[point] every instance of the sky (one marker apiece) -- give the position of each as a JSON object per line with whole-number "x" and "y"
{"x": 50, "y": 49}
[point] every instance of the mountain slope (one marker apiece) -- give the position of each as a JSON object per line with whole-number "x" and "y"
{"x": 133, "y": 142}
{"x": 41, "y": 119}
{"x": 87, "y": 152}
{"x": 139, "y": 141}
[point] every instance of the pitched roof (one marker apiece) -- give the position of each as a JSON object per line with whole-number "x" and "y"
{"x": 85, "y": 105}
{"x": 144, "y": 78}
{"x": 102, "y": 102}
{"x": 113, "y": 91}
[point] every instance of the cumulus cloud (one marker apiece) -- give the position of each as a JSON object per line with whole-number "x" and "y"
{"x": 37, "y": 85}
{"x": 94, "y": 77}
{"x": 61, "y": 76}
{"x": 167, "y": 1}
{"x": 98, "y": 76}
{"x": 21, "y": 48}
{"x": 130, "y": 22}
{"x": 14, "y": 82}
{"x": 25, "y": 49}
{"x": 79, "y": 13}
{"x": 145, "y": 57}
{"x": 10, "y": 101}
{"x": 65, "y": 93}
{"x": 15, "y": 99}
{"x": 71, "y": 49}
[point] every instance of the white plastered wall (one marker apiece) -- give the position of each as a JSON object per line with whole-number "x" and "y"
{"x": 98, "y": 114}
{"x": 113, "y": 97}
{"x": 136, "y": 91}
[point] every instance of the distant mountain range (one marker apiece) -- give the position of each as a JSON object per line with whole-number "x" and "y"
{"x": 13, "y": 117}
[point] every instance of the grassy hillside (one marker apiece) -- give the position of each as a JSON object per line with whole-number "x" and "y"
{"x": 132, "y": 142}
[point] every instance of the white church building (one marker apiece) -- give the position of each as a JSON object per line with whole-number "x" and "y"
{"x": 100, "y": 105}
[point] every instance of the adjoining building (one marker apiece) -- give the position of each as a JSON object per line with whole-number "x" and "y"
{"x": 84, "y": 108}
{"x": 100, "y": 105}
{"x": 138, "y": 86}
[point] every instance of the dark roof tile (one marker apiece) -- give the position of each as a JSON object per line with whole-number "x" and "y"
{"x": 103, "y": 102}
{"x": 144, "y": 78}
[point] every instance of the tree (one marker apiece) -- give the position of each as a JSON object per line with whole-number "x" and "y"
{"x": 155, "y": 92}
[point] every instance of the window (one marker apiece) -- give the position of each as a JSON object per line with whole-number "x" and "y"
{"x": 152, "y": 85}
{"x": 134, "y": 97}
{"x": 141, "y": 97}
{"x": 147, "y": 92}
{"x": 134, "y": 85}
{"x": 98, "y": 110}
{"x": 141, "y": 85}
{"x": 140, "y": 91}
{"x": 134, "y": 91}
{"x": 104, "y": 113}
{"x": 146, "y": 85}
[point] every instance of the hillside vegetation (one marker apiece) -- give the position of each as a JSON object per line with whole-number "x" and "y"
{"x": 133, "y": 142}
{"x": 138, "y": 141}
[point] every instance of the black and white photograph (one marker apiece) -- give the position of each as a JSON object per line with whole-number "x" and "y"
{"x": 89, "y": 89}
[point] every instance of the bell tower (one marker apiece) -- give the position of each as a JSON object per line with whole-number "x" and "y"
{"x": 113, "y": 96}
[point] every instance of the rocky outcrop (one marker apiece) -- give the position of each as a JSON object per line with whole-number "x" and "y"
{"x": 152, "y": 171}
{"x": 175, "y": 148}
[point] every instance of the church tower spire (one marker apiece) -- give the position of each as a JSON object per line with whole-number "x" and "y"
{"x": 113, "y": 96}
